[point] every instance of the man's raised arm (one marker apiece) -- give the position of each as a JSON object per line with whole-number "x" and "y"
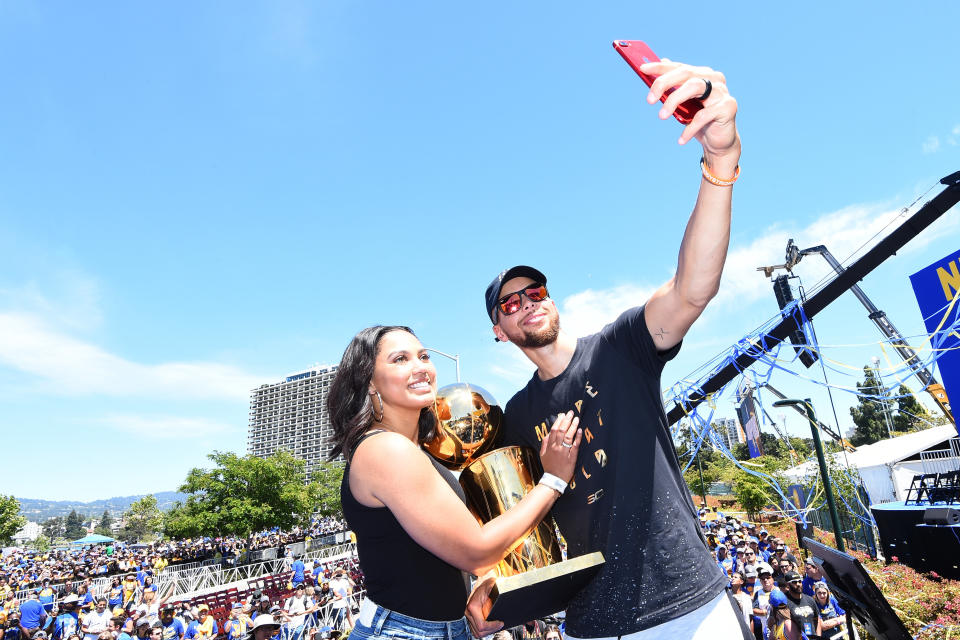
{"x": 674, "y": 307}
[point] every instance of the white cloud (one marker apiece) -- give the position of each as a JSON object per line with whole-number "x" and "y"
{"x": 165, "y": 427}
{"x": 931, "y": 144}
{"x": 588, "y": 311}
{"x": 63, "y": 364}
{"x": 65, "y": 298}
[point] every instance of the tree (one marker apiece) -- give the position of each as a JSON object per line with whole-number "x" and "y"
{"x": 103, "y": 527}
{"x": 911, "y": 415}
{"x": 244, "y": 494}
{"x": 41, "y": 544}
{"x": 54, "y": 527}
{"x": 868, "y": 417}
{"x": 73, "y": 526}
{"x": 10, "y": 519}
{"x": 328, "y": 477}
{"x": 142, "y": 521}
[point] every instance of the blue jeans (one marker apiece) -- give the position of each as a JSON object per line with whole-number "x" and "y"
{"x": 390, "y": 625}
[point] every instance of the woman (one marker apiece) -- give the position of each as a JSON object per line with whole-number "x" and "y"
{"x": 552, "y": 633}
{"x": 779, "y": 621}
{"x": 831, "y": 615}
{"x": 414, "y": 533}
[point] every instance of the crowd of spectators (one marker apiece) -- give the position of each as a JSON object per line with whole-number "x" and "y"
{"x": 779, "y": 596}
{"x": 317, "y": 597}
{"x": 777, "y": 601}
{"x": 23, "y": 569}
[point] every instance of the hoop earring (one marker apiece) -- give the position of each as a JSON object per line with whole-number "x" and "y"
{"x": 375, "y": 418}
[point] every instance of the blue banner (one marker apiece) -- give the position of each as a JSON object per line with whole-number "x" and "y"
{"x": 935, "y": 287}
{"x": 747, "y": 413}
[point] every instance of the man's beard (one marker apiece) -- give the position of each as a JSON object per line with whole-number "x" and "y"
{"x": 546, "y": 336}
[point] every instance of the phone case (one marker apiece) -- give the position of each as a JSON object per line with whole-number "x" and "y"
{"x": 636, "y": 53}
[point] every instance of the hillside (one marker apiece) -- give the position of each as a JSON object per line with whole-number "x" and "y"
{"x": 37, "y": 510}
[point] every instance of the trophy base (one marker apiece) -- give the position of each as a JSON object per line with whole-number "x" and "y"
{"x": 541, "y": 592}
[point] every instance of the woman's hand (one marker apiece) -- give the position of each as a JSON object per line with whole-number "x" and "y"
{"x": 558, "y": 451}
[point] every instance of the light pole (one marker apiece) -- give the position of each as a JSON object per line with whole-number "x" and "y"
{"x": 824, "y": 475}
{"x": 455, "y": 358}
{"x": 883, "y": 403}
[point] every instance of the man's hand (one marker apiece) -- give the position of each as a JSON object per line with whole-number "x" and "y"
{"x": 477, "y": 605}
{"x": 713, "y": 126}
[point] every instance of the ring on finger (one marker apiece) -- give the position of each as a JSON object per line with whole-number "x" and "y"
{"x": 706, "y": 92}
{"x": 568, "y": 446}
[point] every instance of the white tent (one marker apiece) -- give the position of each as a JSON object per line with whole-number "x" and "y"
{"x": 888, "y": 466}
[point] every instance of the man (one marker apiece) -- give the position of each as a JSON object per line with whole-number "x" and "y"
{"x": 67, "y": 621}
{"x": 786, "y": 567}
{"x": 143, "y": 629}
{"x": 812, "y": 577}
{"x": 803, "y": 610}
{"x": 628, "y": 498}
{"x": 294, "y": 611}
{"x": 236, "y": 626}
{"x": 117, "y": 627}
{"x": 46, "y": 596}
{"x": 95, "y": 622}
{"x": 204, "y": 627}
{"x": 172, "y": 628}
{"x": 298, "y": 568}
{"x": 341, "y": 587}
{"x": 747, "y": 559}
{"x": 740, "y": 596}
{"x": 32, "y": 616}
{"x": 761, "y": 600}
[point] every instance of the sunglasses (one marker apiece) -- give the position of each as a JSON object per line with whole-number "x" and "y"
{"x": 511, "y": 303}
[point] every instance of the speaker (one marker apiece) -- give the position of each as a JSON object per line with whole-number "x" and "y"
{"x": 781, "y": 289}
{"x": 941, "y": 515}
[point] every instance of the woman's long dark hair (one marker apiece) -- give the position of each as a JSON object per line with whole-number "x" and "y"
{"x": 349, "y": 403}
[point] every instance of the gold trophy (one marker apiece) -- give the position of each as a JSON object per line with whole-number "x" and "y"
{"x": 533, "y": 580}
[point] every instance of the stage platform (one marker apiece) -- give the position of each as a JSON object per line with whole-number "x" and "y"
{"x": 904, "y": 536}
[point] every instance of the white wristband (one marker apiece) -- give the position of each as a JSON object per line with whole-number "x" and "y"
{"x": 553, "y": 482}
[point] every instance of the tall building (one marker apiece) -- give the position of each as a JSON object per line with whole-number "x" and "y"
{"x": 292, "y": 415}
{"x": 729, "y": 431}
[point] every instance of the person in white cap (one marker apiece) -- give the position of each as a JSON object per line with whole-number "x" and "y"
{"x": 264, "y": 627}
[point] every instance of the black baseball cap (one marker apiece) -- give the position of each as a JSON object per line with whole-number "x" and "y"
{"x": 519, "y": 271}
{"x": 792, "y": 576}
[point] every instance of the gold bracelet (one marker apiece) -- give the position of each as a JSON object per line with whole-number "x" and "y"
{"x": 712, "y": 179}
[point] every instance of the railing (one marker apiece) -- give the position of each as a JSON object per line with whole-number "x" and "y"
{"x": 940, "y": 460}
{"x": 178, "y": 579}
{"x": 325, "y": 616}
{"x": 201, "y": 578}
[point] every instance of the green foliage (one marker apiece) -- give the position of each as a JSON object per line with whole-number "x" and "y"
{"x": 142, "y": 521}
{"x": 755, "y": 493}
{"x": 241, "y": 495}
{"x": 10, "y": 519}
{"x": 41, "y": 544}
{"x": 871, "y": 426}
{"x": 54, "y": 527}
{"x": 911, "y": 415}
{"x": 73, "y": 526}
{"x": 752, "y": 493}
{"x": 103, "y": 527}
{"x": 328, "y": 477}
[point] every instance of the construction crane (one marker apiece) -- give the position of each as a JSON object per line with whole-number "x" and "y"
{"x": 930, "y": 384}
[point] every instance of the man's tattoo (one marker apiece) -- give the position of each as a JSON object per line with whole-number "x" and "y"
{"x": 661, "y": 333}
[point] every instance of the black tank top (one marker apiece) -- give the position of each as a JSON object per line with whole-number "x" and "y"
{"x": 398, "y": 573}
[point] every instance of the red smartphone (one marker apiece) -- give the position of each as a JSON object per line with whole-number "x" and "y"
{"x": 637, "y": 53}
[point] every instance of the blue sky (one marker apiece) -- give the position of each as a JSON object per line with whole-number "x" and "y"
{"x": 199, "y": 198}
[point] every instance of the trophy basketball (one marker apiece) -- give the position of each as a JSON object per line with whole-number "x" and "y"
{"x": 533, "y": 580}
